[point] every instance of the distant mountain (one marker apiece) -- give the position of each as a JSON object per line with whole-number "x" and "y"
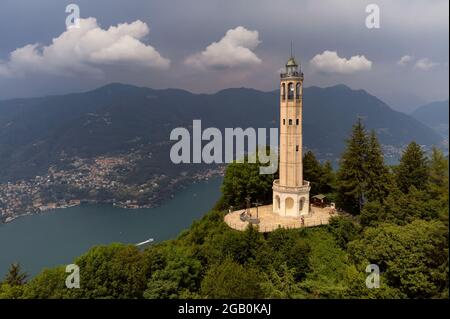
{"x": 330, "y": 113}
{"x": 117, "y": 118}
{"x": 435, "y": 115}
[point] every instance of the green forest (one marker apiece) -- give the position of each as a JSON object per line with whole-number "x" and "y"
{"x": 393, "y": 216}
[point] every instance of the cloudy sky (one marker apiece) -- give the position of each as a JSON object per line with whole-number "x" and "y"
{"x": 208, "y": 45}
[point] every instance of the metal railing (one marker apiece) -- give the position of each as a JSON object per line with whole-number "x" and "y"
{"x": 308, "y": 223}
{"x": 291, "y": 75}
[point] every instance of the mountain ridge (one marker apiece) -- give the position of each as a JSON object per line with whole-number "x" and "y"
{"x": 113, "y": 85}
{"x": 118, "y": 117}
{"x": 435, "y": 115}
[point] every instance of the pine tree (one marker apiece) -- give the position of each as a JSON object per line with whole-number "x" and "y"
{"x": 352, "y": 171}
{"x": 320, "y": 176}
{"x": 413, "y": 169}
{"x": 378, "y": 179}
{"x": 312, "y": 172}
{"x": 438, "y": 178}
{"x": 15, "y": 276}
{"x": 327, "y": 179}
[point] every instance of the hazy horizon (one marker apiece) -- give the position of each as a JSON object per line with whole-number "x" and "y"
{"x": 205, "y": 46}
{"x": 222, "y": 89}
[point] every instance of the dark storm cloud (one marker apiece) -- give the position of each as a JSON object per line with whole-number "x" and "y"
{"x": 181, "y": 28}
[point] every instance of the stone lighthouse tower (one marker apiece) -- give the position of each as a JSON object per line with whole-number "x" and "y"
{"x": 291, "y": 192}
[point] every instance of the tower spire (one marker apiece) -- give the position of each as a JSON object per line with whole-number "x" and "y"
{"x": 292, "y": 54}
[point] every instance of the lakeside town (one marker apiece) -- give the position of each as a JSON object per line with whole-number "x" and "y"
{"x": 97, "y": 180}
{"x": 102, "y": 180}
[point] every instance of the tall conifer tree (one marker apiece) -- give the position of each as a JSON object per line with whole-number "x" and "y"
{"x": 413, "y": 169}
{"x": 352, "y": 171}
{"x": 15, "y": 276}
{"x": 378, "y": 179}
{"x": 438, "y": 178}
{"x": 312, "y": 172}
{"x": 327, "y": 179}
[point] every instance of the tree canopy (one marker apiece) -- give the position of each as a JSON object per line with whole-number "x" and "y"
{"x": 399, "y": 223}
{"x": 412, "y": 169}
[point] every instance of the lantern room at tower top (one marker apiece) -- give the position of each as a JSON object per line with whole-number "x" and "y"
{"x": 292, "y": 69}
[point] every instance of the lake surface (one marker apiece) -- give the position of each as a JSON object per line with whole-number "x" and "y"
{"x": 57, "y": 237}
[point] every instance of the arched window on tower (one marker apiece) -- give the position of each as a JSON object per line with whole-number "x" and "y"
{"x": 283, "y": 91}
{"x": 290, "y": 91}
{"x": 297, "y": 91}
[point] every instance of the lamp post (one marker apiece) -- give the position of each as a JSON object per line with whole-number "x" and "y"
{"x": 247, "y": 199}
{"x": 256, "y": 205}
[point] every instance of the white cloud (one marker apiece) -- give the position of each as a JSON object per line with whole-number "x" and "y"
{"x": 86, "y": 49}
{"x": 425, "y": 64}
{"x": 330, "y": 62}
{"x": 234, "y": 49}
{"x": 404, "y": 60}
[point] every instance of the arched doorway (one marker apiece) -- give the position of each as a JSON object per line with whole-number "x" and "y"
{"x": 289, "y": 205}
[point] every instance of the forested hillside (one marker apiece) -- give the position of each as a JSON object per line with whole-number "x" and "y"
{"x": 396, "y": 218}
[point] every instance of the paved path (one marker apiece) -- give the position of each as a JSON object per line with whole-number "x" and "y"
{"x": 270, "y": 221}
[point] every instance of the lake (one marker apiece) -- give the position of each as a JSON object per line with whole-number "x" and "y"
{"x": 57, "y": 237}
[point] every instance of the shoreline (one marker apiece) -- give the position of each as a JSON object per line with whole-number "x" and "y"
{"x": 58, "y": 237}
{"x": 111, "y": 202}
